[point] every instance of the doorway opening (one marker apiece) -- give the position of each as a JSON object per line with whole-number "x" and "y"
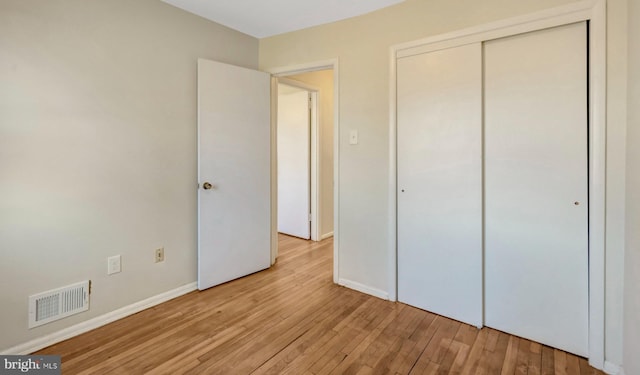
{"x": 305, "y": 153}
{"x": 297, "y": 122}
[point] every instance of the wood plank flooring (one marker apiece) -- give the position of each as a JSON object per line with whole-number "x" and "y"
{"x": 292, "y": 319}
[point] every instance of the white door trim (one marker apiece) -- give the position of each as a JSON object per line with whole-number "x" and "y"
{"x": 305, "y": 68}
{"x": 314, "y": 152}
{"x": 595, "y": 12}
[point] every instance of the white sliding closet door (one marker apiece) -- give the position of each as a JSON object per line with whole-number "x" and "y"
{"x": 440, "y": 182}
{"x": 536, "y": 198}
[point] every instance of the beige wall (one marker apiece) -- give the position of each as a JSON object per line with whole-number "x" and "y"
{"x": 362, "y": 46}
{"x": 323, "y": 80}
{"x": 632, "y": 271}
{"x": 98, "y": 149}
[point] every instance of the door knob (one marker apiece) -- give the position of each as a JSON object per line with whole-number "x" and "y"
{"x": 207, "y": 186}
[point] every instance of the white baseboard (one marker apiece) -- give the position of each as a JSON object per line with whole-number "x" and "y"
{"x": 612, "y": 368}
{"x": 99, "y": 321}
{"x": 364, "y": 289}
{"x": 326, "y": 235}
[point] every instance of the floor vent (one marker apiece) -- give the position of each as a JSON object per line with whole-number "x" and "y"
{"x": 58, "y": 303}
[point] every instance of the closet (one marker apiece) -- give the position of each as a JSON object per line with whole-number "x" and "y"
{"x": 492, "y": 199}
{"x": 440, "y": 182}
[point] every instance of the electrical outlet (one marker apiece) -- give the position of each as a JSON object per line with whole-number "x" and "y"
{"x": 113, "y": 265}
{"x": 160, "y": 255}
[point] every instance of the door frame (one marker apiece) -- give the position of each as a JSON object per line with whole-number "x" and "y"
{"x": 595, "y": 12}
{"x": 314, "y": 153}
{"x": 283, "y": 72}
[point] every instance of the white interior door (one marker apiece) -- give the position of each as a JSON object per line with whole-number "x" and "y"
{"x": 234, "y": 161}
{"x": 440, "y": 182}
{"x": 294, "y": 163}
{"x": 536, "y": 273}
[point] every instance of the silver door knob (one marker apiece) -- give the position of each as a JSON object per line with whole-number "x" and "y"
{"x": 207, "y": 186}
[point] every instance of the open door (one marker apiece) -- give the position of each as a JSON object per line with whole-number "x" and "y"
{"x": 234, "y": 172}
{"x": 294, "y": 161}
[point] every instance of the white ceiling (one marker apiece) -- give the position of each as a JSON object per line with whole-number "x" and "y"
{"x": 263, "y": 18}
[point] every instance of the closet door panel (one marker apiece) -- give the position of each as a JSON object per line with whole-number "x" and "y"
{"x": 440, "y": 182}
{"x": 536, "y": 181}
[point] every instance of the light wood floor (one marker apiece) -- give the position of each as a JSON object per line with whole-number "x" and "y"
{"x": 292, "y": 319}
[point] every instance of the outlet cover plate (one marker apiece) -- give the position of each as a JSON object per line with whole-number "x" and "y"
{"x": 113, "y": 264}
{"x": 160, "y": 255}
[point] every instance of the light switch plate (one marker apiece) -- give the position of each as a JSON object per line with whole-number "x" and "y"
{"x": 353, "y": 137}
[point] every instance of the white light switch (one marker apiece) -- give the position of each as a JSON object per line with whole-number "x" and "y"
{"x": 353, "y": 137}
